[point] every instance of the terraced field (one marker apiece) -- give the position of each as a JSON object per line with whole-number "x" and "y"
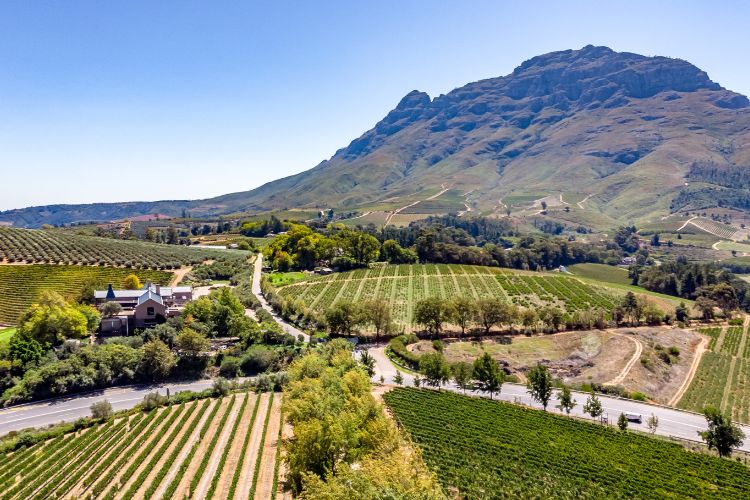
{"x": 212, "y": 448}
{"x": 404, "y": 285}
{"x": 723, "y": 376}
{"x": 20, "y": 286}
{"x": 57, "y": 247}
{"x": 490, "y": 449}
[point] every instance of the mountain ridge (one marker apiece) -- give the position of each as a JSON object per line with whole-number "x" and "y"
{"x": 590, "y": 121}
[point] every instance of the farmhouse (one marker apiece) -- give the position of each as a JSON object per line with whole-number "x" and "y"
{"x": 143, "y": 308}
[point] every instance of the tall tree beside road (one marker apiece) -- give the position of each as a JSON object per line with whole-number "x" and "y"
{"x": 540, "y": 385}
{"x": 488, "y": 373}
{"x": 721, "y": 435}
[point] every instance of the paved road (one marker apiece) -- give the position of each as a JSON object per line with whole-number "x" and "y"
{"x": 672, "y": 422}
{"x": 66, "y": 409}
{"x": 288, "y": 328}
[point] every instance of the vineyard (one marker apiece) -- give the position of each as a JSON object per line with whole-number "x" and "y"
{"x": 212, "y": 448}
{"x": 56, "y": 247}
{"x": 404, "y": 285}
{"x": 20, "y": 286}
{"x": 723, "y": 376}
{"x": 488, "y": 449}
{"x": 725, "y": 231}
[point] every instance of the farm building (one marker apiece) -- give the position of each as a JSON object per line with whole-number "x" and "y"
{"x": 143, "y": 308}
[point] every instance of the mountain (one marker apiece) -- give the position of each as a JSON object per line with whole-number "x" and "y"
{"x": 624, "y": 131}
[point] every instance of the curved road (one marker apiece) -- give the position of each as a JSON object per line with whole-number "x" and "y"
{"x": 672, "y": 422}
{"x": 288, "y": 328}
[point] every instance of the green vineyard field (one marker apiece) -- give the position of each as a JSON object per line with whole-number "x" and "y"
{"x": 197, "y": 449}
{"x": 20, "y": 286}
{"x": 723, "y": 376}
{"x": 56, "y": 247}
{"x": 489, "y": 449}
{"x": 403, "y": 285}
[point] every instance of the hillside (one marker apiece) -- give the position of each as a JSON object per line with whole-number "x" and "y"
{"x": 622, "y": 131}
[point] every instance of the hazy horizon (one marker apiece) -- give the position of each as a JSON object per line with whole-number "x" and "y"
{"x": 204, "y": 100}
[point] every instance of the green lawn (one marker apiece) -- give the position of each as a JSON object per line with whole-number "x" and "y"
{"x": 278, "y": 279}
{"x": 6, "y": 334}
{"x": 601, "y": 272}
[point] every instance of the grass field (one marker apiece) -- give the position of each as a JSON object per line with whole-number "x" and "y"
{"x": 212, "y": 448}
{"x": 723, "y": 376}
{"x": 6, "y": 334}
{"x": 404, "y": 285}
{"x": 20, "y": 286}
{"x": 489, "y": 449}
{"x": 280, "y": 279}
{"x": 60, "y": 247}
{"x": 601, "y": 272}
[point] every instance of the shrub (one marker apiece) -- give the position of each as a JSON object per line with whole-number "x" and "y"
{"x": 153, "y": 400}
{"x": 101, "y": 410}
{"x": 221, "y": 387}
{"x": 230, "y": 367}
{"x": 257, "y": 359}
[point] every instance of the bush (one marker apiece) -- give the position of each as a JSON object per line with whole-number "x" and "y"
{"x": 674, "y": 351}
{"x": 153, "y": 400}
{"x": 101, "y": 410}
{"x": 221, "y": 387}
{"x": 230, "y": 367}
{"x": 257, "y": 359}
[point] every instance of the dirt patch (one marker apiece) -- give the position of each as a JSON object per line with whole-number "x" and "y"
{"x": 609, "y": 356}
{"x": 653, "y": 375}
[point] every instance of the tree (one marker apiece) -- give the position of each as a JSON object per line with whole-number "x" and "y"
{"x": 101, "y": 410}
{"x": 653, "y": 423}
{"x": 462, "y": 373}
{"x": 364, "y": 248}
{"x": 132, "y": 282}
{"x": 490, "y": 312}
{"x": 565, "y": 396}
{"x": 377, "y": 312}
{"x": 706, "y": 306}
{"x": 432, "y": 313}
{"x": 539, "y": 384}
{"x": 630, "y": 307}
{"x": 681, "y": 313}
{"x": 343, "y": 318}
{"x": 622, "y": 422}
{"x": 157, "y": 361}
{"x": 368, "y": 362}
{"x": 191, "y": 343}
{"x": 110, "y": 309}
{"x": 52, "y": 321}
{"x": 655, "y": 240}
{"x": 465, "y": 311}
{"x": 435, "y": 369}
{"x": 25, "y": 349}
{"x": 488, "y": 373}
{"x": 593, "y": 406}
{"x": 398, "y": 378}
{"x": 221, "y": 387}
{"x": 721, "y": 434}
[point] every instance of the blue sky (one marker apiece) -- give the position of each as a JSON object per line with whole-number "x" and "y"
{"x": 115, "y": 101}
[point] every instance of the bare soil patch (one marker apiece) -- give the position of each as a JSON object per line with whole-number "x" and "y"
{"x": 236, "y": 448}
{"x": 597, "y": 356}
